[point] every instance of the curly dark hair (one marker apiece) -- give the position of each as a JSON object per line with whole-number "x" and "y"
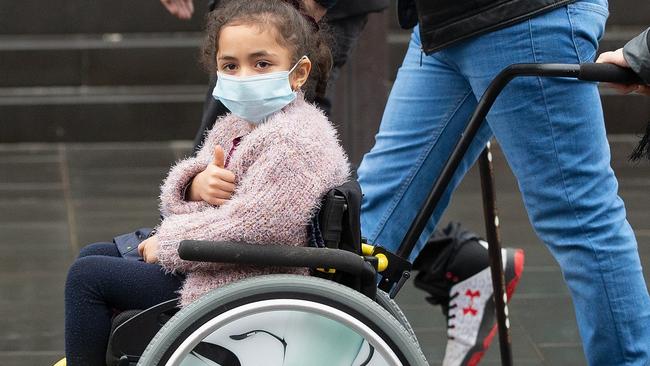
{"x": 297, "y": 31}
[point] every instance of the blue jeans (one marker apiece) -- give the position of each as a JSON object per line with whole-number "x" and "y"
{"x": 552, "y": 133}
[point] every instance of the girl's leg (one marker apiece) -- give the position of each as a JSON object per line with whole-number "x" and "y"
{"x": 97, "y": 285}
{"x": 427, "y": 109}
{"x": 552, "y": 133}
{"x": 105, "y": 249}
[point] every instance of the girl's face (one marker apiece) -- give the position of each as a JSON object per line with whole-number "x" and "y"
{"x": 248, "y": 50}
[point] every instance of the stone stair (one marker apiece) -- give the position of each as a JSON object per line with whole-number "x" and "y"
{"x": 98, "y": 71}
{"x": 123, "y": 70}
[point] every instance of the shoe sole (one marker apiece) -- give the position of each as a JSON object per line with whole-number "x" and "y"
{"x": 488, "y": 328}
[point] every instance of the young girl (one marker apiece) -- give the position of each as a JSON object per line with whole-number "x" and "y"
{"x": 282, "y": 156}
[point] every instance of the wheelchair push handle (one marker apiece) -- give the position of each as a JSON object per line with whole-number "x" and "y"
{"x": 608, "y": 73}
{"x": 586, "y": 72}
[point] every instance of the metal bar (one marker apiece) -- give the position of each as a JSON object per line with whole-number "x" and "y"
{"x": 494, "y": 250}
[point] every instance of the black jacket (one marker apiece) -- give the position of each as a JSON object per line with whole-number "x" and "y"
{"x": 443, "y": 22}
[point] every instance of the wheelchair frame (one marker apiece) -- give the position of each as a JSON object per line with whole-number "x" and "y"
{"x": 394, "y": 268}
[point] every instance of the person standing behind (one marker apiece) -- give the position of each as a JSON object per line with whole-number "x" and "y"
{"x": 552, "y": 133}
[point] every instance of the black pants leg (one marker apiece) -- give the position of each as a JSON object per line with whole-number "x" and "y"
{"x": 99, "y": 282}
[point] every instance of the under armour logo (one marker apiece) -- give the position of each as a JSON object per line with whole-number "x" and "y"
{"x": 470, "y": 309}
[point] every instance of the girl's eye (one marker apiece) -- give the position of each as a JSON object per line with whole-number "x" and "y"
{"x": 229, "y": 67}
{"x": 262, "y": 64}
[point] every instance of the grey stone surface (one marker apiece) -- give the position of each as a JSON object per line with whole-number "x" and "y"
{"x": 33, "y": 17}
{"x": 17, "y": 69}
{"x": 106, "y": 189}
{"x": 628, "y": 13}
{"x": 103, "y": 119}
{"x": 161, "y": 65}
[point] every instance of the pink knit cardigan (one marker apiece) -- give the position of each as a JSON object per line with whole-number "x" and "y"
{"x": 283, "y": 167}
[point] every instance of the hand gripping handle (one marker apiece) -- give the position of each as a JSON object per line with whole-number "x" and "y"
{"x": 608, "y": 73}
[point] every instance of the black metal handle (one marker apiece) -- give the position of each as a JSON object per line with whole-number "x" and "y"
{"x": 586, "y": 72}
{"x": 275, "y": 255}
{"x": 608, "y": 73}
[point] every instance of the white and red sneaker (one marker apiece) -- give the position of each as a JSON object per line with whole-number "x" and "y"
{"x": 454, "y": 270}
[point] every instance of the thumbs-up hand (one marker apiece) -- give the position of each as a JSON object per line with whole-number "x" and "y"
{"x": 214, "y": 185}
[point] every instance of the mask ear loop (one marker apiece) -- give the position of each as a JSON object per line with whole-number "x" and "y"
{"x": 296, "y": 66}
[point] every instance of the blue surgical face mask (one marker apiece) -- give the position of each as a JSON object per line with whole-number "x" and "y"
{"x": 254, "y": 98}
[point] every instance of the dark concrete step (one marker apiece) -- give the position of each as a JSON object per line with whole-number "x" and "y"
{"x": 617, "y": 36}
{"x": 625, "y": 113}
{"x": 144, "y": 59}
{"x": 100, "y": 114}
{"x": 82, "y": 16}
{"x": 172, "y": 113}
{"x": 133, "y": 59}
{"x": 629, "y": 13}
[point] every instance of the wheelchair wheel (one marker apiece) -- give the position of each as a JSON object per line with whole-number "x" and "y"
{"x": 283, "y": 320}
{"x": 391, "y": 306}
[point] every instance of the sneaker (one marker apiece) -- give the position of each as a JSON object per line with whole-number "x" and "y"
{"x": 454, "y": 270}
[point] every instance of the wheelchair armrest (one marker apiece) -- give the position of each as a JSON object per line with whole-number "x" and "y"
{"x": 276, "y": 255}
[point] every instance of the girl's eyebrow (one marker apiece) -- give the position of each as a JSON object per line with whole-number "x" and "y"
{"x": 256, "y": 54}
{"x": 227, "y": 58}
{"x": 261, "y": 53}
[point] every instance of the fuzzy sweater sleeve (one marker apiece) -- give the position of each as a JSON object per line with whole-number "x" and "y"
{"x": 172, "y": 191}
{"x": 272, "y": 204}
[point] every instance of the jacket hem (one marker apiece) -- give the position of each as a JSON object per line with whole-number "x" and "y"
{"x": 434, "y": 40}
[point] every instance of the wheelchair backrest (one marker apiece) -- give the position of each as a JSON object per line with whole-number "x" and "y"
{"x": 337, "y": 225}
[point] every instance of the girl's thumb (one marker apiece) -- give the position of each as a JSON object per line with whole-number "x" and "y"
{"x": 219, "y": 156}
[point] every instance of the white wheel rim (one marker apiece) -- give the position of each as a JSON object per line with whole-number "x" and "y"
{"x": 278, "y": 305}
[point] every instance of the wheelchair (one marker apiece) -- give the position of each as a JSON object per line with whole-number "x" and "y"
{"x": 336, "y": 316}
{"x": 341, "y": 315}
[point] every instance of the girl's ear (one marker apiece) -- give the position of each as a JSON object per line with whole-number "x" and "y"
{"x": 300, "y": 74}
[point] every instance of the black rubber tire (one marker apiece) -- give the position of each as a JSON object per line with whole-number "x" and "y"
{"x": 391, "y": 306}
{"x": 268, "y": 287}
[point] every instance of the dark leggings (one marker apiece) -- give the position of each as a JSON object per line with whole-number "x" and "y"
{"x": 99, "y": 283}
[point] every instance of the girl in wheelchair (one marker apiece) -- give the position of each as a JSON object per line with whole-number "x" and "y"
{"x": 282, "y": 156}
